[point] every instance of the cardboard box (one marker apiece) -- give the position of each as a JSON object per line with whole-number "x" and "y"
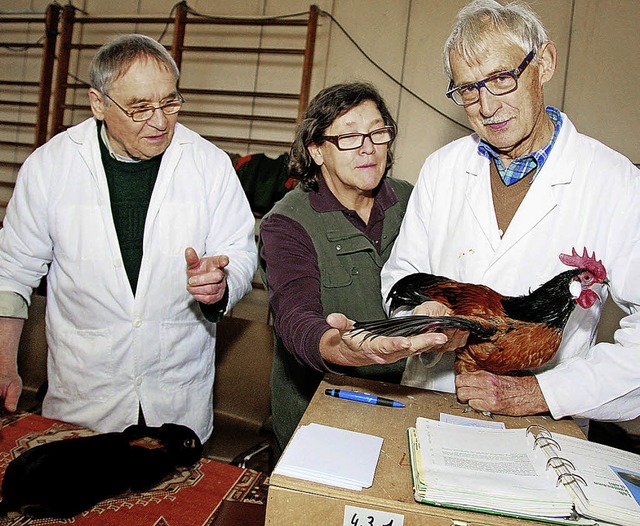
{"x": 295, "y": 502}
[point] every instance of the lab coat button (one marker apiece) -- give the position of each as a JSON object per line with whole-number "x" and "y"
{"x": 137, "y": 324}
{"x": 138, "y": 380}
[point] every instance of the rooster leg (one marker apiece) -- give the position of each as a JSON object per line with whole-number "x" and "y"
{"x": 468, "y": 409}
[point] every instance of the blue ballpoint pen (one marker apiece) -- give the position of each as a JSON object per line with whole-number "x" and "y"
{"x": 361, "y": 397}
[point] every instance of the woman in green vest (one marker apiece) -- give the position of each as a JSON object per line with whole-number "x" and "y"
{"x": 323, "y": 245}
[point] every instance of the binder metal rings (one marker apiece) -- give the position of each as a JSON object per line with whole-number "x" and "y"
{"x": 548, "y": 441}
{"x": 544, "y": 438}
{"x": 544, "y": 435}
{"x": 541, "y": 430}
{"x": 561, "y": 462}
{"x": 571, "y": 477}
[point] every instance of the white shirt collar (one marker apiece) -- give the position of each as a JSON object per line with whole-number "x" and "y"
{"x": 116, "y": 156}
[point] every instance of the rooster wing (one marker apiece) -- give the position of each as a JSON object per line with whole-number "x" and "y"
{"x": 515, "y": 346}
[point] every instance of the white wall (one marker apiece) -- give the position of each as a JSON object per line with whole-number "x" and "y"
{"x": 595, "y": 81}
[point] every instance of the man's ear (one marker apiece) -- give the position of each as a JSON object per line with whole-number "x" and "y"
{"x": 316, "y": 154}
{"x": 547, "y": 61}
{"x": 96, "y": 101}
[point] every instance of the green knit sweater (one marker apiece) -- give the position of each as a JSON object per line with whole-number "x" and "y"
{"x": 130, "y": 188}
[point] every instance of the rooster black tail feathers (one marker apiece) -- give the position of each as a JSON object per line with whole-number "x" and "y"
{"x": 413, "y": 325}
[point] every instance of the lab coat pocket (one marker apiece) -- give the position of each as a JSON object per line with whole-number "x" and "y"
{"x": 83, "y": 364}
{"x": 187, "y": 351}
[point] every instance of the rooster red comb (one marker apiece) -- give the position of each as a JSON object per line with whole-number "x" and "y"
{"x": 586, "y": 262}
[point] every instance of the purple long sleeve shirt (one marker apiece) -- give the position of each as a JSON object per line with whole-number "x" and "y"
{"x": 294, "y": 275}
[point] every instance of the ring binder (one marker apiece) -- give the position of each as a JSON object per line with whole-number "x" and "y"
{"x": 588, "y": 483}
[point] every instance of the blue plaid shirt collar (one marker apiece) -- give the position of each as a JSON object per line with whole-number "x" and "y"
{"x": 527, "y": 163}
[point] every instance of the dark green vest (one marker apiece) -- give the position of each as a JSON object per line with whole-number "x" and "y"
{"x": 350, "y": 283}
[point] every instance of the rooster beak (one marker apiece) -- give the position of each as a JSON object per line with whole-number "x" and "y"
{"x": 598, "y": 290}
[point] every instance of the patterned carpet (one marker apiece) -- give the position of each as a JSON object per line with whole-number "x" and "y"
{"x": 211, "y": 493}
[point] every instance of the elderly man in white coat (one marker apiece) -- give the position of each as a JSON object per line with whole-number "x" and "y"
{"x": 147, "y": 238}
{"x": 498, "y": 207}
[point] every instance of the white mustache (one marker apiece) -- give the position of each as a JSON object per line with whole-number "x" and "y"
{"x": 494, "y": 120}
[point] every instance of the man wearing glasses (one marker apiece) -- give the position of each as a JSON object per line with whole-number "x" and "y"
{"x": 146, "y": 238}
{"x": 498, "y": 208}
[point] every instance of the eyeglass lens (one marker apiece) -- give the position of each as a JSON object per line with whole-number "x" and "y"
{"x": 352, "y": 141}
{"x": 500, "y": 84}
{"x": 144, "y": 114}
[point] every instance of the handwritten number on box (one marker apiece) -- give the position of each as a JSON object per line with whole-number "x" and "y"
{"x": 370, "y": 521}
{"x": 354, "y": 516}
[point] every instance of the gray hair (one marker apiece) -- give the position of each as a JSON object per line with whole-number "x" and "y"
{"x": 481, "y": 19}
{"x": 115, "y": 58}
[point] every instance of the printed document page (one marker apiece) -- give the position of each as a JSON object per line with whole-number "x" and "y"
{"x": 490, "y": 469}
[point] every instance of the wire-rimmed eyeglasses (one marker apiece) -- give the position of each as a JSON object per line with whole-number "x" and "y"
{"x": 353, "y": 141}
{"x": 499, "y": 84}
{"x": 145, "y": 113}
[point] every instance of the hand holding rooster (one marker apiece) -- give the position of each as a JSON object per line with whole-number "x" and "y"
{"x": 501, "y": 394}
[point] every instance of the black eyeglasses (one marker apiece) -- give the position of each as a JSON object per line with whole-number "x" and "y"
{"x": 353, "y": 141}
{"x": 498, "y": 84}
{"x": 146, "y": 112}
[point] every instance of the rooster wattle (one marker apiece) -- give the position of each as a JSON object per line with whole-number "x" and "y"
{"x": 506, "y": 333}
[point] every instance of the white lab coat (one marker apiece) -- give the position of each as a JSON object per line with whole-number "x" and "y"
{"x": 585, "y": 195}
{"x": 108, "y": 350}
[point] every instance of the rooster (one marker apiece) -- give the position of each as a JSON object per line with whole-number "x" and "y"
{"x": 506, "y": 333}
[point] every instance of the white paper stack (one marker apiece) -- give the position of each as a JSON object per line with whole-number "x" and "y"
{"x": 332, "y": 456}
